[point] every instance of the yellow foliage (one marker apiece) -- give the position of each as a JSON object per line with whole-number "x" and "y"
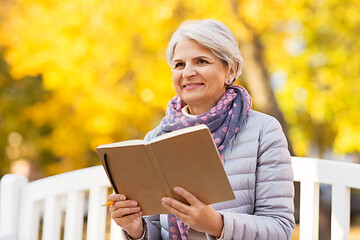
{"x": 103, "y": 65}
{"x": 348, "y": 138}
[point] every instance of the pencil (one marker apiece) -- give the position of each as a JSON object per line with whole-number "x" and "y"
{"x": 107, "y": 204}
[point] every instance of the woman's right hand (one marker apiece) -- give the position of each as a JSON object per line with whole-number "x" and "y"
{"x": 127, "y": 214}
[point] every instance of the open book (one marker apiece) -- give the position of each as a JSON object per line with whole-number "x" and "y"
{"x": 147, "y": 171}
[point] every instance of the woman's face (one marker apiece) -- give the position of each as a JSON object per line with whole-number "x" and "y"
{"x": 198, "y": 75}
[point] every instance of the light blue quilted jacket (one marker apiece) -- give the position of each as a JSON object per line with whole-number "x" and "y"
{"x": 257, "y": 163}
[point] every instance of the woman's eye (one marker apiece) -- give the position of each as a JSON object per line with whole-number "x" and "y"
{"x": 178, "y": 65}
{"x": 202, "y": 61}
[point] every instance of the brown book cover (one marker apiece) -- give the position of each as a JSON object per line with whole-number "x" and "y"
{"x": 147, "y": 171}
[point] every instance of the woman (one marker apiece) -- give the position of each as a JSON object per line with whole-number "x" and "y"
{"x": 205, "y": 61}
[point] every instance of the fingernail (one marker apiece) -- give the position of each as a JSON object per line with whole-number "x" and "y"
{"x": 165, "y": 200}
{"x": 177, "y": 189}
{"x": 122, "y": 198}
{"x": 133, "y": 203}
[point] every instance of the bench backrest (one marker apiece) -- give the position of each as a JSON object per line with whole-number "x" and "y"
{"x": 55, "y": 207}
{"x": 341, "y": 176}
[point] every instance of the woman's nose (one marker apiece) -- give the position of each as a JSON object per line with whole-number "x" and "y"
{"x": 189, "y": 71}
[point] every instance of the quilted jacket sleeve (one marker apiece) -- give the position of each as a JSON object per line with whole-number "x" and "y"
{"x": 273, "y": 212}
{"x": 153, "y": 227}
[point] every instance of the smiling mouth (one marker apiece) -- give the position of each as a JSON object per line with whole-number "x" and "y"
{"x": 192, "y": 85}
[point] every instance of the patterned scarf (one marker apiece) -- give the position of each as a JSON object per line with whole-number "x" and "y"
{"x": 224, "y": 120}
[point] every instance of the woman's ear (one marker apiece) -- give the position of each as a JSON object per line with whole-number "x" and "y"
{"x": 230, "y": 76}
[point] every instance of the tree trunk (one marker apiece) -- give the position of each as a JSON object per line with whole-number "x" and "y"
{"x": 258, "y": 83}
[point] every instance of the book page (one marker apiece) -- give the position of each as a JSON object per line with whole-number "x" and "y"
{"x": 191, "y": 161}
{"x": 124, "y": 143}
{"x": 178, "y": 132}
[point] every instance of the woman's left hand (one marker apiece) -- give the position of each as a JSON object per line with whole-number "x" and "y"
{"x": 198, "y": 215}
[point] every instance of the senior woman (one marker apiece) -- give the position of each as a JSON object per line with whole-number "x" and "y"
{"x": 205, "y": 61}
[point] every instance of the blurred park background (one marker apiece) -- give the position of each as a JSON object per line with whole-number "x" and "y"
{"x": 75, "y": 74}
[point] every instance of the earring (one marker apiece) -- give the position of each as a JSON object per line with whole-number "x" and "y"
{"x": 228, "y": 81}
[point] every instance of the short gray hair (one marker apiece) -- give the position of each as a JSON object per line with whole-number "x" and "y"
{"x": 212, "y": 34}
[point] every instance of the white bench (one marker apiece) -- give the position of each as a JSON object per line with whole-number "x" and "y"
{"x": 24, "y": 204}
{"x": 55, "y": 207}
{"x": 341, "y": 176}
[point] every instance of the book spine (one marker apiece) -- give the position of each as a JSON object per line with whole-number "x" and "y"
{"x": 106, "y": 167}
{"x": 159, "y": 172}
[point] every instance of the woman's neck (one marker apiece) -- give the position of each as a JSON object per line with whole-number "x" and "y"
{"x": 198, "y": 110}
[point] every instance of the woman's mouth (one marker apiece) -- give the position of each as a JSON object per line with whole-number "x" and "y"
{"x": 190, "y": 86}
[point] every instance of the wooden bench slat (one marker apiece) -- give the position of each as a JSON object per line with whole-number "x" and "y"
{"x": 309, "y": 210}
{"x": 74, "y": 216}
{"x": 97, "y": 214}
{"x": 340, "y": 212}
{"x": 29, "y": 222}
{"x": 52, "y": 219}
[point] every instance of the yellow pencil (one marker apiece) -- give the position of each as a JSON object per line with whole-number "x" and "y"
{"x": 107, "y": 204}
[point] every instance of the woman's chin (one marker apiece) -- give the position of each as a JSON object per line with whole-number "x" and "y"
{"x": 193, "y": 98}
